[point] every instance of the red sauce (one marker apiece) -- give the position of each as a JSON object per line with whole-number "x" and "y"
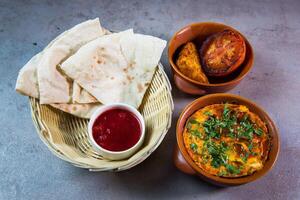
{"x": 117, "y": 130}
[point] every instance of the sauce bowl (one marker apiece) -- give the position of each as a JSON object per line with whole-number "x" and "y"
{"x": 116, "y": 155}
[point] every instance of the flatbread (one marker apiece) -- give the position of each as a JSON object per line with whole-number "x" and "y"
{"x": 119, "y": 73}
{"x": 79, "y": 95}
{"x": 142, "y": 53}
{"x": 117, "y": 67}
{"x": 27, "y": 81}
{"x": 79, "y": 110}
{"x": 54, "y": 87}
{"x": 27, "y": 84}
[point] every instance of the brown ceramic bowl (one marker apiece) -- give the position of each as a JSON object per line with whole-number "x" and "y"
{"x": 183, "y": 161}
{"x": 197, "y": 33}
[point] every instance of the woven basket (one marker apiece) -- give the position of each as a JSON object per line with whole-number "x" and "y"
{"x": 66, "y": 135}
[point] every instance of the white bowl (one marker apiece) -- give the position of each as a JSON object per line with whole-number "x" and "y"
{"x": 116, "y": 155}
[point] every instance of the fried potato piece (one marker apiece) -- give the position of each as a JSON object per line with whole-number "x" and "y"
{"x": 222, "y": 53}
{"x": 188, "y": 63}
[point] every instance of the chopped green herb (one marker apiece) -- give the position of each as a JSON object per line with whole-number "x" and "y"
{"x": 206, "y": 130}
{"x": 245, "y": 117}
{"x": 250, "y": 146}
{"x": 204, "y": 156}
{"x": 246, "y": 125}
{"x": 196, "y": 133}
{"x": 231, "y": 133}
{"x": 207, "y": 113}
{"x": 214, "y": 134}
{"x": 232, "y": 169}
{"x": 194, "y": 147}
{"x": 222, "y": 173}
{"x": 245, "y": 157}
{"x": 189, "y": 126}
{"x": 245, "y": 130}
{"x": 217, "y": 153}
{"x": 258, "y": 131}
{"x": 226, "y": 111}
{"x": 214, "y": 127}
{"x": 248, "y": 134}
{"x": 193, "y": 121}
{"x": 215, "y": 163}
{"x": 210, "y": 128}
{"x": 231, "y": 124}
{"x": 254, "y": 153}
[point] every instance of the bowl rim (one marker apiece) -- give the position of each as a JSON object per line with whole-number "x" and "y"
{"x": 123, "y": 106}
{"x": 43, "y": 133}
{"x": 236, "y": 80}
{"x": 223, "y": 181}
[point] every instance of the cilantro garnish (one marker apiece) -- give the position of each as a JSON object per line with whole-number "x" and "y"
{"x": 208, "y": 113}
{"x": 196, "y": 133}
{"x": 194, "y": 147}
{"x": 245, "y": 157}
{"x": 218, "y": 153}
{"x": 222, "y": 173}
{"x": 232, "y": 169}
{"x": 250, "y": 146}
{"x": 258, "y": 131}
{"x": 231, "y": 123}
{"x": 193, "y": 121}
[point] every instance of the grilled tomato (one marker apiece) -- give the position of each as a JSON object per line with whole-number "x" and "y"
{"x": 188, "y": 63}
{"x": 222, "y": 53}
{"x": 227, "y": 140}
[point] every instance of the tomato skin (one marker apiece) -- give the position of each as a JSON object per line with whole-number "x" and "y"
{"x": 222, "y": 53}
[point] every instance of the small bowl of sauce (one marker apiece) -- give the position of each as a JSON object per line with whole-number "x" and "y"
{"x": 116, "y": 131}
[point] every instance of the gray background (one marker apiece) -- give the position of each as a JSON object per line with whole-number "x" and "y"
{"x": 29, "y": 171}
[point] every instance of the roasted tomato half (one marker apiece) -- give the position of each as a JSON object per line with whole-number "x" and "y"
{"x": 222, "y": 53}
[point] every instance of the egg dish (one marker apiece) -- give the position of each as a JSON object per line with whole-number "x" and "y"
{"x": 227, "y": 140}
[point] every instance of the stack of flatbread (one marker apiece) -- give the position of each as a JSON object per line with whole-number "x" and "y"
{"x": 86, "y": 67}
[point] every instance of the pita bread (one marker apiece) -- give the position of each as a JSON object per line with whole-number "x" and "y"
{"x": 79, "y": 110}
{"x": 79, "y": 95}
{"x": 27, "y": 81}
{"x": 54, "y": 87}
{"x": 142, "y": 53}
{"x": 27, "y": 84}
{"x": 111, "y": 68}
{"x": 117, "y": 67}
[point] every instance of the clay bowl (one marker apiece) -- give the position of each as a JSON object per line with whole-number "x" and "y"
{"x": 198, "y": 32}
{"x": 184, "y": 163}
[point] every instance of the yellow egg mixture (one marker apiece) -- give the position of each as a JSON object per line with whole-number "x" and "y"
{"x": 227, "y": 140}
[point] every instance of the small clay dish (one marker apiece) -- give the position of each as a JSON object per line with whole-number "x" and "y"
{"x": 198, "y": 33}
{"x": 183, "y": 161}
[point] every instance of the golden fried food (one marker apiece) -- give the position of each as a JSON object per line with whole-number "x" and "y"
{"x": 227, "y": 140}
{"x": 188, "y": 63}
{"x": 222, "y": 53}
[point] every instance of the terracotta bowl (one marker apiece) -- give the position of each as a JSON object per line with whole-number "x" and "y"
{"x": 197, "y": 33}
{"x": 183, "y": 161}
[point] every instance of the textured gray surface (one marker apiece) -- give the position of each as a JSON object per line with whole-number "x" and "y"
{"x": 29, "y": 171}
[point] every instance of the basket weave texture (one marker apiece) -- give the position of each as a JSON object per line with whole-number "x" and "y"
{"x": 66, "y": 135}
